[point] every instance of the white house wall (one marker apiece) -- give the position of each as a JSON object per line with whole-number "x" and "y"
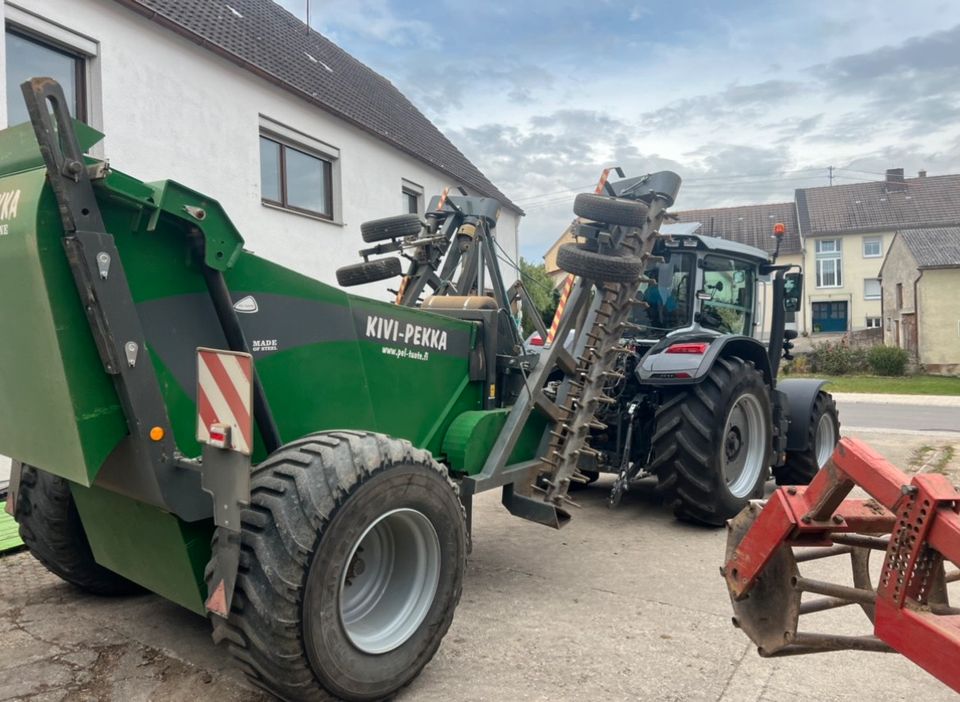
{"x": 171, "y": 109}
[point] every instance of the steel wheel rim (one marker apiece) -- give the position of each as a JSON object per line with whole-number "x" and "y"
{"x": 825, "y": 439}
{"x": 743, "y": 451}
{"x": 390, "y": 581}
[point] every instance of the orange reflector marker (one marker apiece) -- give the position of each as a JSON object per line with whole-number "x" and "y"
{"x": 157, "y": 433}
{"x": 778, "y": 229}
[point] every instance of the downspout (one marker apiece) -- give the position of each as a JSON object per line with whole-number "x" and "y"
{"x": 803, "y": 269}
{"x": 916, "y": 311}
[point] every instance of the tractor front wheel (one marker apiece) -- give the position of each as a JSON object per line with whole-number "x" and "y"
{"x": 823, "y": 432}
{"x": 352, "y": 558}
{"x": 50, "y": 527}
{"x": 713, "y": 442}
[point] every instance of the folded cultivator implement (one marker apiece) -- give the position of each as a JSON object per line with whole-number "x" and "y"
{"x": 912, "y": 522}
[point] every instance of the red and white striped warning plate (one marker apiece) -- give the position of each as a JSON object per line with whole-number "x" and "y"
{"x": 225, "y": 399}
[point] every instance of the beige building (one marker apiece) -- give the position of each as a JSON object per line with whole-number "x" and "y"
{"x": 847, "y": 230}
{"x": 921, "y": 281}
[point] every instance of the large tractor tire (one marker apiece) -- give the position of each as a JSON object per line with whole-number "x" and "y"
{"x": 396, "y": 227}
{"x": 352, "y": 560}
{"x": 580, "y": 260}
{"x": 368, "y": 271}
{"x": 713, "y": 442}
{"x": 611, "y": 210}
{"x": 50, "y": 527}
{"x": 823, "y": 433}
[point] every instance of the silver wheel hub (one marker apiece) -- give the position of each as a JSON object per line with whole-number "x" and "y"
{"x": 390, "y": 581}
{"x": 744, "y": 445}
{"x": 825, "y": 438}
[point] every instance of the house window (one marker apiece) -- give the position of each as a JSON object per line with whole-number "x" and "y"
{"x": 872, "y": 247}
{"x": 899, "y": 296}
{"x": 411, "y": 202}
{"x": 29, "y": 57}
{"x": 829, "y": 265}
{"x": 871, "y": 289}
{"x": 873, "y": 322}
{"x": 412, "y": 196}
{"x": 295, "y": 179}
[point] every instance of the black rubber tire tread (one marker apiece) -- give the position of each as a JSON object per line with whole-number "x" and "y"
{"x": 580, "y": 260}
{"x": 51, "y": 529}
{"x": 296, "y": 493}
{"x": 611, "y": 210}
{"x": 369, "y": 271}
{"x": 801, "y": 466}
{"x": 395, "y": 227}
{"x": 687, "y": 443}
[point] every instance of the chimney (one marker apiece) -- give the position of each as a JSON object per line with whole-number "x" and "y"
{"x": 922, "y": 174}
{"x": 894, "y": 182}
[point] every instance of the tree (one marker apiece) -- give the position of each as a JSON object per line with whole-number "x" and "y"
{"x": 540, "y": 287}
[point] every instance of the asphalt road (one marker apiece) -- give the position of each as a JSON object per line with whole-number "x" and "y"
{"x": 912, "y": 417}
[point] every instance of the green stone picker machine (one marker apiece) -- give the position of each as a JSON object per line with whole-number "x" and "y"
{"x": 295, "y": 462}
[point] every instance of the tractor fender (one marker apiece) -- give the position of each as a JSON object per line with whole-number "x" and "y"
{"x": 801, "y": 393}
{"x": 657, "y": 367}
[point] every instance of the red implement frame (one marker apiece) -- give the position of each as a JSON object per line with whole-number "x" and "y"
{"x": 921, "y": 516}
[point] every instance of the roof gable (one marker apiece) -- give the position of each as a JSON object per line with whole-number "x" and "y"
{"x": 265, "y": 39}
{"x": 876, "y": 206}
{"x": 749, "y": 224}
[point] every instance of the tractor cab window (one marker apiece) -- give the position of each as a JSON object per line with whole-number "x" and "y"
{"x": 729, "y": 285}
{"x": 668, "y": 296}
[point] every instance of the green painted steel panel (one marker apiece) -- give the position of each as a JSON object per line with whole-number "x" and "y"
{"x": 9, "y": 531}
{"x": 146, "y": 545}
{"x": 59, "y": 408}
{"x": 472, "y": 436}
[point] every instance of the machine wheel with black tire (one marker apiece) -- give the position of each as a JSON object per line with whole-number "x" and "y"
{"x": 395, "y": 227}
{"x": 580, "y": 260}
{"x": 823, "y": 433}
{"x": 611, "y": 210}
{"x": 369, "y": 271}
{"x": 712, "y": 443}
{"x": 51, "y": 529}
{"x": 352, "y": 560}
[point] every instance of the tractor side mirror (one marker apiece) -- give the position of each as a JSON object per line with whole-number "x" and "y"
{"x": 792, "y": 291}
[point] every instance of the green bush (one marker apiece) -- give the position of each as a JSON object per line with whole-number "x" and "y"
{"x": 887, "y": 360}
{"x": 837, "y": 359}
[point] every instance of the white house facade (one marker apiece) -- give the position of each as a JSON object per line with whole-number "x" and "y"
{"x": 194, "y": 101}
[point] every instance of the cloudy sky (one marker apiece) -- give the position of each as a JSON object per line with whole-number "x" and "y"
{"x": 745, "y": 100}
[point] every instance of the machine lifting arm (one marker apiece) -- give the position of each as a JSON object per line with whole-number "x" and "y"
{"x": 914, "y": 521}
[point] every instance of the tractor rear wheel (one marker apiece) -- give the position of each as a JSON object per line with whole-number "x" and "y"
{"x": 823, "y": 432}
{"x": 50, "y": 527}
{"x": 713, "y": 442}
{"x": 352, "y": 560}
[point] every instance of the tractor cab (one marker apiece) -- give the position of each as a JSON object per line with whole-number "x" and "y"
{"x": 699, "y": 284}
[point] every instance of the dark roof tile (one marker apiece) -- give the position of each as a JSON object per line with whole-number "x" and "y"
{"x": 875, "y": 206}
{"x": 264, "y": 38}
{"x": 935, "y": 247}
{"x": 749, "y": 224}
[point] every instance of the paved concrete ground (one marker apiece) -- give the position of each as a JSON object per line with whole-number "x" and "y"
{"x": 620, "y": 605}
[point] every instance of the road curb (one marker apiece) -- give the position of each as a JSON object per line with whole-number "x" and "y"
{"x": 881, "y": 399}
